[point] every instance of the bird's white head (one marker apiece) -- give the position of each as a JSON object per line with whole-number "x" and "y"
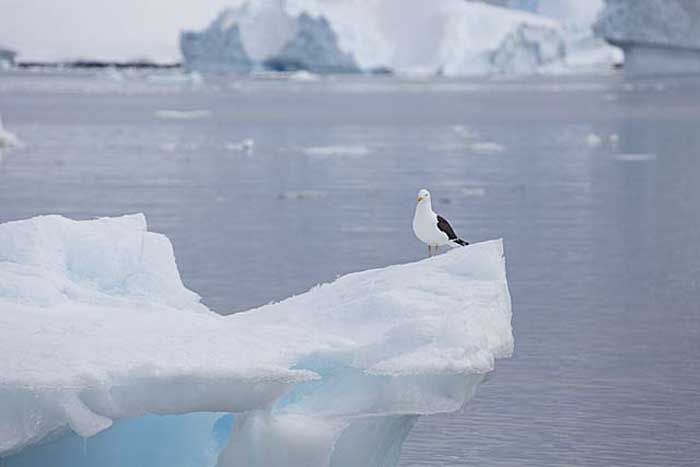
{"x": 423, "y": 195}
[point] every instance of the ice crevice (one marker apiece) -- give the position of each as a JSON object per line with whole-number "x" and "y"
{"x": 109, "y": 360}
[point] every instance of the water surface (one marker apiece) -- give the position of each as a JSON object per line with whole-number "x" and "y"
{"x": 592, "y": 182}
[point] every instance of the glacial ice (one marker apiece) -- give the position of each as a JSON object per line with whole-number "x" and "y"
{"x": 456, "y": 38}
{"x": 101, "y": 340}
{"x": 659, "y": 36}
{"x": 673, "y": 23}
{"x": 584, "y": 51}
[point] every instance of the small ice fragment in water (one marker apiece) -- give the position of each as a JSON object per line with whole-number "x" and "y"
{"x": 614, "y": 138}
{"x": 464, "y": 132}
{"x": 641, "y": 157}
{"x": 194, "y": 78}
{"x": 8, "y": 139}
{"x": 593, "y": 140}
{"x": 487, "y": 147}
{"x": 476, "y": 192}
{"x": 246, "y": 145}
{"x": 303, "y": 75}
{"x": 325, "y": 151}
{"x": 182, "y": 114}
{"x": 302, "y": 194}
{"x": 168, "y": 147}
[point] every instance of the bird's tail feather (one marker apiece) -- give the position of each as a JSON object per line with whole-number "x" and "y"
{"x": 459, "y": 242}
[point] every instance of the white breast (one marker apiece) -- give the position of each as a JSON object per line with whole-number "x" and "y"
{"x": 425, "y": 226}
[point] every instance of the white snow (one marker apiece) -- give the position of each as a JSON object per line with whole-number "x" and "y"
{"x": 97, "y": 327}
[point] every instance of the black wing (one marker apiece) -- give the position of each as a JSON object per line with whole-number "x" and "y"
{"x": 445, "y": 226}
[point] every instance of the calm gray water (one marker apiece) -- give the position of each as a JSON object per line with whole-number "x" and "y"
{"x": 592, "y": 182}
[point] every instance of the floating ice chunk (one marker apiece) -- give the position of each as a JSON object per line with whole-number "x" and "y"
{"x": 634, "y": 157}
{"x": 112, "y": 74}
{"x": 487, "y": 147}
{"x": 477, "y": 192}
{"x": 464, "y": 132}
{"x": 302, "y": 194}
{"x": 303, "y": 75}
{"x": 246, "y": 145}
{"x": 176, "y": 78}
{"x": 593, "y": 140}
{"x": 182, "y": 114}
{"x": 168, "y": 147}
{"x": 8, "y": 139}
{"x": 328, "y": 151}
{"x": 614, "y": 139}
{"x": 98, "y": 328}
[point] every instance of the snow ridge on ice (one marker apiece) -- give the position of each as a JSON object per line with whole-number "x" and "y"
{"x": 98, "y": 328}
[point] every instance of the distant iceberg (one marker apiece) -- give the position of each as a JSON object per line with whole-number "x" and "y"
{"x": 658, "y": 36}
{"x": 101, "y": 340}
{"x": 584, "y": 51}
{"x": 7, "y": 58}
{"x": 451, "y": 37}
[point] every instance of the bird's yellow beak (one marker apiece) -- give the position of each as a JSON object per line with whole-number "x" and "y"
{"x": 419, "y": 199}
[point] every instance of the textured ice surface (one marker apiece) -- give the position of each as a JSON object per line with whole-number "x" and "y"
{"x": 456, "y": 38}
{"x": 659, "y": 22}
{"x": 584, "y": 51}
{"x": 99, "y": 334}
{"x": 657, "y": 35}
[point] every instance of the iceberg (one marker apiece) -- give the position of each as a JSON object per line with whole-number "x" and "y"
{"x": 457, "y": 38}
{"x": 584, "y": 51}
{"x": 659, "y": 36}
{"x": 7, "y": 58}
{"x": 108, "y": 359}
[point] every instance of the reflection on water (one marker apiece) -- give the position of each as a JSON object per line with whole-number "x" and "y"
{"x": 602, "y": 239}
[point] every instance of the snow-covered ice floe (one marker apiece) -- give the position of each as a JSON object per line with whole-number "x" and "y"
{"x": 344, "y": 36}
{"x": 101, "y": 340}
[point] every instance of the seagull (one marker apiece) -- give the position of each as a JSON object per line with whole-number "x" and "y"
{"x": 432, "y": 229}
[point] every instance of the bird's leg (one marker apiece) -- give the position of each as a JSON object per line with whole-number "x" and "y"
{"x": 437, "y": 247}
{"x": 430, "y": 251}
